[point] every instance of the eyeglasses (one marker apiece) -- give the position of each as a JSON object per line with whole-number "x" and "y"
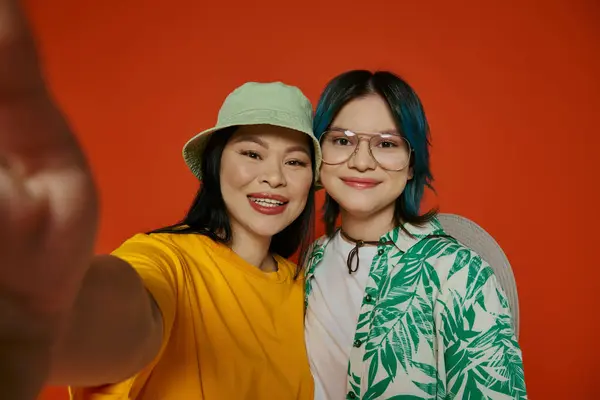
{"x": 390, "y": 150}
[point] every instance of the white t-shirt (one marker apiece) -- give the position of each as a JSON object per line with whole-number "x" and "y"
{"x": 332, "y": 315}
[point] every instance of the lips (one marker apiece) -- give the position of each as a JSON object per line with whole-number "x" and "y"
{"x": 267, "y": 203}
{"x": 360, "y": 183}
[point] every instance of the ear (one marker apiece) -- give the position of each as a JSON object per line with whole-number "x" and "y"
{"x": 411, "y": 173}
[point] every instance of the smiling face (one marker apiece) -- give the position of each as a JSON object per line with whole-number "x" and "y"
{"x": 360, "y": 185}
{"x": 265, "y": 176}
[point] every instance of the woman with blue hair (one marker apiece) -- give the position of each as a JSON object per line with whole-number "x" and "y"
{"x": 395, "y": 307}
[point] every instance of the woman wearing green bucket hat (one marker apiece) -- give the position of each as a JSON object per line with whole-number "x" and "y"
{"x": 206, "y": 309}
{"x": 228, "y": 301}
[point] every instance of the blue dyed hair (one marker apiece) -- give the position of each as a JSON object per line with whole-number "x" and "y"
{"x": 409, "y": 115}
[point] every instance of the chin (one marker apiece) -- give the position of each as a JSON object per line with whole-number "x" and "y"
{"x": 355, "y": 202}
{"x": 360, "y": 210}
{"x": 266, "y": 228}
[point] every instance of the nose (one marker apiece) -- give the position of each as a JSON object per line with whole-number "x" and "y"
{"x": 272, "y": 174}
{"x": 362, "y": 160}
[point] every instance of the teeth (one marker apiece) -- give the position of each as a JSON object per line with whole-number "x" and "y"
{"x": 267, "y": 202}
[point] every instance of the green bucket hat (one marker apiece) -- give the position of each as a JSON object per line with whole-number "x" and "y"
{"x": 254, "y": 103}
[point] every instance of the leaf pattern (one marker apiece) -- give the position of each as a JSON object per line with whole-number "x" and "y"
{"x": 315, "y": 258}
{"x": 441, "y": 327}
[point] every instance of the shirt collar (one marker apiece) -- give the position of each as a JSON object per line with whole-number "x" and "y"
{"x": 403, "y": 239}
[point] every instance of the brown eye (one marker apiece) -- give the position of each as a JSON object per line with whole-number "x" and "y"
{"x": 388, "y": 144}
{"x": 341, "y": 141}
{"x": 297, "y": 163}
{"x": 251, "y": 154}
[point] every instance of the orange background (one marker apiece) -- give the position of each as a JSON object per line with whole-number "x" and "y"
{"x": 511, "y": 90}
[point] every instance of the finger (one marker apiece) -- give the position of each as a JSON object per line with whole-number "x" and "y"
{"x": 20, "y": 73}
{"x": 19, "y": 205}
{"x": 34, "y": 132}
{"x": 31, "y": 126}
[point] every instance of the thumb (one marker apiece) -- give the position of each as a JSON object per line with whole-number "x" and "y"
{"x": 20, "y": 73}
{"x": 32, "y": 128}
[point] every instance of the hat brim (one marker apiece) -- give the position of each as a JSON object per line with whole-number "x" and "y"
{"x": 476, "y": 238}
{"x": 193, "y": 150}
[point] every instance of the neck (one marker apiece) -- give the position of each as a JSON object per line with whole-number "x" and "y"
{"x": 369, "y": 227}
{"x": 253, "y": 249}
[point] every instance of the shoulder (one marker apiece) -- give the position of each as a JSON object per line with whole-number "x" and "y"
{"x": 145, "y": 243}
{"x": 315, "y": 255}
{"x": 317, "y": 246}
{"x": 455, "y": 264}
{"x": 166, "y": 247}
{"x": 452, "y": 259}
{"x": 436, "y": 248}
{"x": 321, "y": 241}
{"x": 462, "y": 271}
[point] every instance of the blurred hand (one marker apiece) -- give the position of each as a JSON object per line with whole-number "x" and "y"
{"x": 48, "y": 212}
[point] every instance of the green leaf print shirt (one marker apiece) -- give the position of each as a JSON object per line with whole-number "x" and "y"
{"x": 434, "y": 323}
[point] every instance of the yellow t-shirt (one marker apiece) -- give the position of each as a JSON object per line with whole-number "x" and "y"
{"x": 231, "y": 331}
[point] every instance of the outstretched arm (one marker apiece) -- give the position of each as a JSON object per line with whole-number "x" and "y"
{"x": 59, "y": 309}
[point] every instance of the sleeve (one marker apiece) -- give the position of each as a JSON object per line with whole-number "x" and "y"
{"x": 481, "y": 357}
{"x": 157, "y": 265}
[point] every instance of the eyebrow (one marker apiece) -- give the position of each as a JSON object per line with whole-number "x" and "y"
{"x": 389, "y": 131}
{"x": 262, "y": 143}
{"x": 302, "y": 149}
{"x": 253, "y": 139}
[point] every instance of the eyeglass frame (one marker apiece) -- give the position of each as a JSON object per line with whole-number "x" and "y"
{"x": 361, "y": 136}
